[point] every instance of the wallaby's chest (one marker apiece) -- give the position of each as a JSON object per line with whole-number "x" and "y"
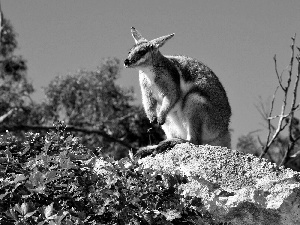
{"x": 157, "y": 84}
{"x": 162, "y": 83}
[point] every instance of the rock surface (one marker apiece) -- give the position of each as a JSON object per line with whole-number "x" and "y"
{"x": 235, "y": 188}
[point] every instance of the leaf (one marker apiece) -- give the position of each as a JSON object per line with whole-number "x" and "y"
{"x": 39, "y": 189}
{"x": 69, "y": 222}
{"x": 65, "y": 163}
{"x": 8, "y": 154}
{"x": 45, "y": 160}
{"x": 11, "y": 213}
{"x": 19, "y": 178}
{"x": 24, "y": 208}
{"x": 46, "y": 145}
{"x": 130, "y": 153}
{"x": 171, "y": 214}
{"x": 26, "y": 149}
{"x": 69, "y": 139}
{"x": 3, "y": 159}
{"x": 135, "y": 200}
{"x": 18, "y": 208}
{"x": 37, "y": 178}
{"x": 15, "y": 188}
{"x": 29, "y": 185}
{"x": 48, "y": 210}
{"x": 3, "y": 195}
{"x": 91, "y": 162}
{"x": 61, "y": 215}
{"x": 51, "y": 176}
{"x": 30, "y": 214}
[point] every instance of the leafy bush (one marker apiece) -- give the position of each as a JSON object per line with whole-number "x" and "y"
{"x": 92, "y": 100}
{"x": 51, "y": 180}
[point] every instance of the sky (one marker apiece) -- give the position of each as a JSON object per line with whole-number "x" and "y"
{"x": 237, "y": 39}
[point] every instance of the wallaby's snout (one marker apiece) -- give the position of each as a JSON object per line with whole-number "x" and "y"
{"x": 126, "y": 63}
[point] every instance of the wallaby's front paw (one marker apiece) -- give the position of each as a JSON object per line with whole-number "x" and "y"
{"x": 153, "y": 120}
{"x": 146, "y": 151}
{"x": 168, "y": 144}
{"x": 161, "y": 120}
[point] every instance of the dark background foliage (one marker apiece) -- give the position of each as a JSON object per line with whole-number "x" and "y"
{"x": 90, "y": 103}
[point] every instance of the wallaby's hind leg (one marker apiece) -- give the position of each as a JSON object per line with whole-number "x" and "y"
{"x": 224, "y": 140}
{"x": 201, "y": 128}
{"x": 195, "y": 117}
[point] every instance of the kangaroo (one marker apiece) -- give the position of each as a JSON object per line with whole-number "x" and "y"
{"x": 181, "y": 94}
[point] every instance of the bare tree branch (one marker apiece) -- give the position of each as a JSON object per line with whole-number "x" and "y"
{"x": 292, "y": 139}
{"x": 279, "y": 128}
{"x": 68, "y": 129}
{"x": 269, "y": 121}
{"x": 282, "y": 116}
{"x": 6, "y": 115}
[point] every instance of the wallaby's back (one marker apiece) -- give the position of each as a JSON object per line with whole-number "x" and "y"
{"x": 197, "y": 77}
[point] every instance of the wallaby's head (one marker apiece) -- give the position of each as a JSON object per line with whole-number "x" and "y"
{"x": 144, "y": 52}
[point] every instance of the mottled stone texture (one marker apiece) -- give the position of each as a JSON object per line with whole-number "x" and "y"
{"x": 235, "y": 188}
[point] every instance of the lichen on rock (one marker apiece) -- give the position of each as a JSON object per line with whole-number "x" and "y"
{"x": 234, "y": 187}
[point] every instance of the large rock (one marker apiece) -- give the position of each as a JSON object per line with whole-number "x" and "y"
{"x": 234, "y": 187}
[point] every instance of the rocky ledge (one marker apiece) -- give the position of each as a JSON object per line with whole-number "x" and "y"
{"x": 235, "y": 188}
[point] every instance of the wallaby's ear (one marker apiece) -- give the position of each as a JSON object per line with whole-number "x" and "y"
{"x": 158, "y": 42}
{"x": 137, "y": 35}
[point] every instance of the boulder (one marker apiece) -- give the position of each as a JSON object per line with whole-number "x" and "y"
{"x": 234, "y": 187}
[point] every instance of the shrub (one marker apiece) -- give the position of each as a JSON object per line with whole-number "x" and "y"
{"x": 51, "y": 180}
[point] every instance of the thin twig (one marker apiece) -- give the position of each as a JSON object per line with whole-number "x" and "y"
{"x": 269, "y": 122}
{"x": 296, "y": 108}
{"x": 278, "y": 77}
{"x": 269, "y": 139}
{"x": 6, "y": 115}
{"x": 261, "y": 109}
{"x": 1, "y": 20}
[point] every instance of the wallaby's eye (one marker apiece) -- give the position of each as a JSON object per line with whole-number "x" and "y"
{"x": 142, "y": 52}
